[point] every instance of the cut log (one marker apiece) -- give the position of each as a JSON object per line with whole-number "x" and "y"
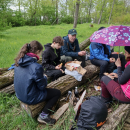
{"x": 79, "y": 102}
{"x": 6, "y": 79}
{"x": 84, "y": 44}
{"x": 60, "y": 111}
{"x": 32, "y": 110}
{"x": 9, "y": 89}
{"x": 3, "y": 70}
{"x": 117, "y": 117}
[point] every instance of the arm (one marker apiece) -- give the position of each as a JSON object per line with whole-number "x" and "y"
{"x": 66, "y": 52}
{"x": 45, "y": 61}
{"x": 125, "y": 76}
{"x": 41, "y": 81}
{"x": 77, "y": 49}
{"x": 97, "y": 52}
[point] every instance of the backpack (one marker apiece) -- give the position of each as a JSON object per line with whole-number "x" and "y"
{"x": 93, "y": 114}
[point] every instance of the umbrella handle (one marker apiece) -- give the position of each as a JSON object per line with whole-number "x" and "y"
{"x": 119, "y": 52}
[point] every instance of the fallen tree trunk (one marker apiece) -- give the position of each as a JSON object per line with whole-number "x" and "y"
{"x": 64, "y": 83}
{"x": 3, "y": 70}
{"x": 84, "y": 44}
{"x": 117, "y": 117}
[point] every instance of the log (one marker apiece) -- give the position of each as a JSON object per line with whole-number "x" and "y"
{"x": 3, "y": 70}
{"x": 84, "y": 44}
{"x": 6, "y": 79}
{"x": 116, "y": 118}
{"x": 9, "y": 89}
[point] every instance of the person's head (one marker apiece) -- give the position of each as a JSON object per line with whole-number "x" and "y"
{"x": 57, "y": 42}
{"x": 101, "y": 28}
{"x": 127, "y": 52}
{"x": 32, "y": 47}
{"x": 72, "y": 35}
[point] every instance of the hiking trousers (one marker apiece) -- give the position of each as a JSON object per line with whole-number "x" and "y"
{"x": 111, "y": 88}
{"x": 52, "y": 97}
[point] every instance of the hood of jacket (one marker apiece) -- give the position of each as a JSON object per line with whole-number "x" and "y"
{"x": 26, "y": 60}
{"x": 48, "y": 46}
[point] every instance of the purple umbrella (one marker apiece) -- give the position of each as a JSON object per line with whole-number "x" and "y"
{"x": 113, "y": 36}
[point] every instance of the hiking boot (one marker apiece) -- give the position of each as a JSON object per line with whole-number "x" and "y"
{"x": 107, "y": 101}
{"x": 46, "y": 119}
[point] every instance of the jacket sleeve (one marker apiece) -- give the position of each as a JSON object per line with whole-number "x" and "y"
{"x": 97, "y": 52}
{"x": 41, "y": 81}
{"x": 77, "y": 49}
{"x": 66, "y": 52}
{"x": 45, "y": 61}
{"x": 125, "y": 76}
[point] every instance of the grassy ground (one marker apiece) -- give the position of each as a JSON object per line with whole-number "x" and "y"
{"x": 13, "y": 39}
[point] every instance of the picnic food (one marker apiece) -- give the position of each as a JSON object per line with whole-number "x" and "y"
{"x": 98, "y": 87}
{"x": 106, "y": 73}
{"x": 61, "y": 64}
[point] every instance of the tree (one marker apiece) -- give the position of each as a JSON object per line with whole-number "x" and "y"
{"x": 111, "y": 11}
{"x": 101, "y": 12}
{"x": 76, "y": 13}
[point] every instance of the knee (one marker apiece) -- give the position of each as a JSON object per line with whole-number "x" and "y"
{"x": 104, "y": 63}
{"x": 104, "y": 78}
{"x": 58, "y": 93}
{"x": 68, "y": 58}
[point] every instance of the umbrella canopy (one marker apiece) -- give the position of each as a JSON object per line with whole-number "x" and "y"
{"x": 113, "y": 36}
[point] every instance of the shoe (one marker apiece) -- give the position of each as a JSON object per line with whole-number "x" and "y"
{"x": 46, "y": 120}
{"x": 107, "y": 101}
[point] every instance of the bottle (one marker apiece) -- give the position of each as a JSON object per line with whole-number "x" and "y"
{"x": 68, "y": 96}
{"x": 76, "y": 92}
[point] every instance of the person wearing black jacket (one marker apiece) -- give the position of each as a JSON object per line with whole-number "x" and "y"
{"x": 51, "y": 58}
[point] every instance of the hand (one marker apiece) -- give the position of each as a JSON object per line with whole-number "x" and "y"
{"x": 58, "y": 67}
{"x": 83, "y": 52}
{"x": 112, "y": 60}
{"x": 114, "y": 75}
{"x": 115, "y": 53}
{"x": 80, "y": 53}
{"x": 118, "y": 62}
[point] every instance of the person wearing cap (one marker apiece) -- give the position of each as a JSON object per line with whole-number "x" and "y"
{"x": 101, "y": 55}
{"x": 70, "y": 50}
{"x": 117, "y": 85}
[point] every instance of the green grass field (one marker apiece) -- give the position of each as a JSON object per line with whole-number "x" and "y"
{"x": 13, "y": 39}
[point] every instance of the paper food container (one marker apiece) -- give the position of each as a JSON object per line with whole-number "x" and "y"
{"x": 75, "y": 65}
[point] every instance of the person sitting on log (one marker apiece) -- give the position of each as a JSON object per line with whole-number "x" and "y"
{"x": 119, "y": 88}
{"x": 29, "y": 82}
{"x": 51, "y": 59}
{"x": 102, "y": 56}
{"x": 71, "y": 50}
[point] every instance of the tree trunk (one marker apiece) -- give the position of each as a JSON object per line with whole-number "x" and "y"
{"x": 101, "y": 12}
{"x": 76, "y": 13}
{"x": 116, "y": 118}
{"x": 89, "y": 17}
{"x": 111, "y": 12}
{"x": 56, "y": 11}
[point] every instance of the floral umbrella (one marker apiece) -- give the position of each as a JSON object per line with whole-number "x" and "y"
{"x": 113, "y": 36}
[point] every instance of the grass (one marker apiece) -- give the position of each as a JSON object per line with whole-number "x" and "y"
{"x": 13, "y": 39}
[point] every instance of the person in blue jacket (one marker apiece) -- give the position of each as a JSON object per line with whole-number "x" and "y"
{"x": 70, "y": 50}
{"x": 30, "y": 83}
{"x": 102, "y": 56}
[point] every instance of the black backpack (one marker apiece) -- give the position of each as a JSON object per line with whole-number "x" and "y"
{"x": 93, "y": 114}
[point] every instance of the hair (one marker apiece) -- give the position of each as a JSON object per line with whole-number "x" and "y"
{"x": 101, "y": 28}
{"x": 31, "y": 47}
{"x": 127, "y": 48}
{"x": 59, "y": 40}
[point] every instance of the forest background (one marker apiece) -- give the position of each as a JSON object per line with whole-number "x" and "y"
{"x": 48, "y": 12}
